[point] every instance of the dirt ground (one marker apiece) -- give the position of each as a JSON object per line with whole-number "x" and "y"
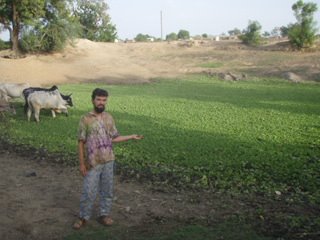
{"x": 40, "y": 200}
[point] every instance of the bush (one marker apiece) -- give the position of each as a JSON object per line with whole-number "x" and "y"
{"x": 204, "y": 35}
{"x": 143, "y": 37}
{"x": 4, "y": 45}
{"x": 183, "y": 34}
{"x": 252, "y": 35}
{"x": 172, "y": 37}
{"x": 303, "y": 33}
{"x": 52, "y": 37}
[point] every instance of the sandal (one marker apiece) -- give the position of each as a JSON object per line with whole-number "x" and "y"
{"x": 79, "y": 223}
{"x": 105, "y": 220}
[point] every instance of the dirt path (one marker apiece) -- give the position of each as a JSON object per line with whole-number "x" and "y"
{"x": 40, "y": 200}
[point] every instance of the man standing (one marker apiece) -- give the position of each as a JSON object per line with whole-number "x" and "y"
{"x": 96, "y": 133}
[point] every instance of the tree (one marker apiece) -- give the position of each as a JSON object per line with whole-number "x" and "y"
{"x": 143, "y": 37}
{"x": 51, "y": 32}
{"x": 17, "y": 13}
{"x": 234, "y": 32}
{"x": 204, "y": 35}
{"x": 276, "y": 32}
{"x": 95, "y": 21}
{"x": 252, "y": 34}
{"x": 303, "y": 32}
{"x": 183, "y": 34}
{"x": 172, "y": 37}
{"x": 266, "y": 34}
{"x": 284, "y": 31}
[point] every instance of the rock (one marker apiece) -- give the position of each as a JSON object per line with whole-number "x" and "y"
{"x": 292, "y": 77}
{"x": 225, "y": 76}
{"x": 278, "y": 193}
{"x": 128, "y": 209}
{"x": 237, "y": 77}
{"x": 30, "y": 174}
{"x": 232, "y": 76}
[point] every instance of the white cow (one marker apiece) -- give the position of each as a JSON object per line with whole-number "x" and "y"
{"x": 47, "y": 100}
{"x": 3, "y": 96}
{"x": 12, "y": 90}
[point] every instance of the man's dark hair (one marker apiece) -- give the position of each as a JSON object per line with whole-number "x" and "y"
{"x": 99, "y": 92}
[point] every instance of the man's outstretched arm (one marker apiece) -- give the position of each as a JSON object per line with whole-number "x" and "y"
{"x": 126, "y": 138}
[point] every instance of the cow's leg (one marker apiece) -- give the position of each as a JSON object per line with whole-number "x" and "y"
{"x": 37, "y": 114}
{"x": 53, "y": 113}
{"x": 29, "y": 112}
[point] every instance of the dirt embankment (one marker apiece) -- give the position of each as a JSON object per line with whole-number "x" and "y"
{"x": 89, "y": 61}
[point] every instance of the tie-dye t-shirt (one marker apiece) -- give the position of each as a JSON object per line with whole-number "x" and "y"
{"x": 97, "y": 134}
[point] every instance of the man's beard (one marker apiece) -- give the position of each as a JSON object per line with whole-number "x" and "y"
{"x": 99, "y": 109}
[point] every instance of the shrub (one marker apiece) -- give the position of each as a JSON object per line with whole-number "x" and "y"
{"x": 4, "y": 45}
{"x": 183, "y": 34}
{"x": 303, "y": 32}
{"x": 252, "y": 35}
{"x": 172, "y": 37}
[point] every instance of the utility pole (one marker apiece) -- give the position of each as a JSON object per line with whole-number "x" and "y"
{"x": 161, "y": 25}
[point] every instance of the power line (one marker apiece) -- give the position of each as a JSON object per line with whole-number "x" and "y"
{"x": 161, "y": 24}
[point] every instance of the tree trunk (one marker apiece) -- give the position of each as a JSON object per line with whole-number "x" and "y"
{"x": 10, "y": 34}
{"x": 15, "y": 29}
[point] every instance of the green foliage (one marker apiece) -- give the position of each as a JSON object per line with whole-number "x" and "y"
{"x": 250, "y": 136}
{"x": 53, "y": 33}
{"x": 252, "y": 34}
{"x": 183, "y": 34}
{"x": 27, "y": 10}
{"x": 204, "y": 35}
{"x": 95, "y": 21}
{"x": 15, "y": 14}
{"x": 266, "y": 34}
{"x": 284, "y": 31}
{"x": 5, "y": 11}
{"x": 172, "y": 37}
{"x": 275, "y": 32}
{"x": 303, "y": 32}
{"x": 42, "y": 26}
{"x": 143, "y": 37}
{"x": 234, "y": 32}
{"x": 4, "y": 45}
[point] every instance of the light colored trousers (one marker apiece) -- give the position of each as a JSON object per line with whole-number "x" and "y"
{"x": 99, "y": 178}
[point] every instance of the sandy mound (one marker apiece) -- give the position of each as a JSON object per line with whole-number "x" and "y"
{"x": 88, "y": 61}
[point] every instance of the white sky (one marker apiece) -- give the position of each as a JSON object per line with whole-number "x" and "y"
{"x": 197, "y": 16}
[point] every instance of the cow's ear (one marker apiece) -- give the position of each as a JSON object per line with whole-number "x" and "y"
{"x": 70, "y": 95}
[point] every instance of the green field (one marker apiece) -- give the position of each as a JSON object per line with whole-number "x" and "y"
{"x": 251, "y": 136}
